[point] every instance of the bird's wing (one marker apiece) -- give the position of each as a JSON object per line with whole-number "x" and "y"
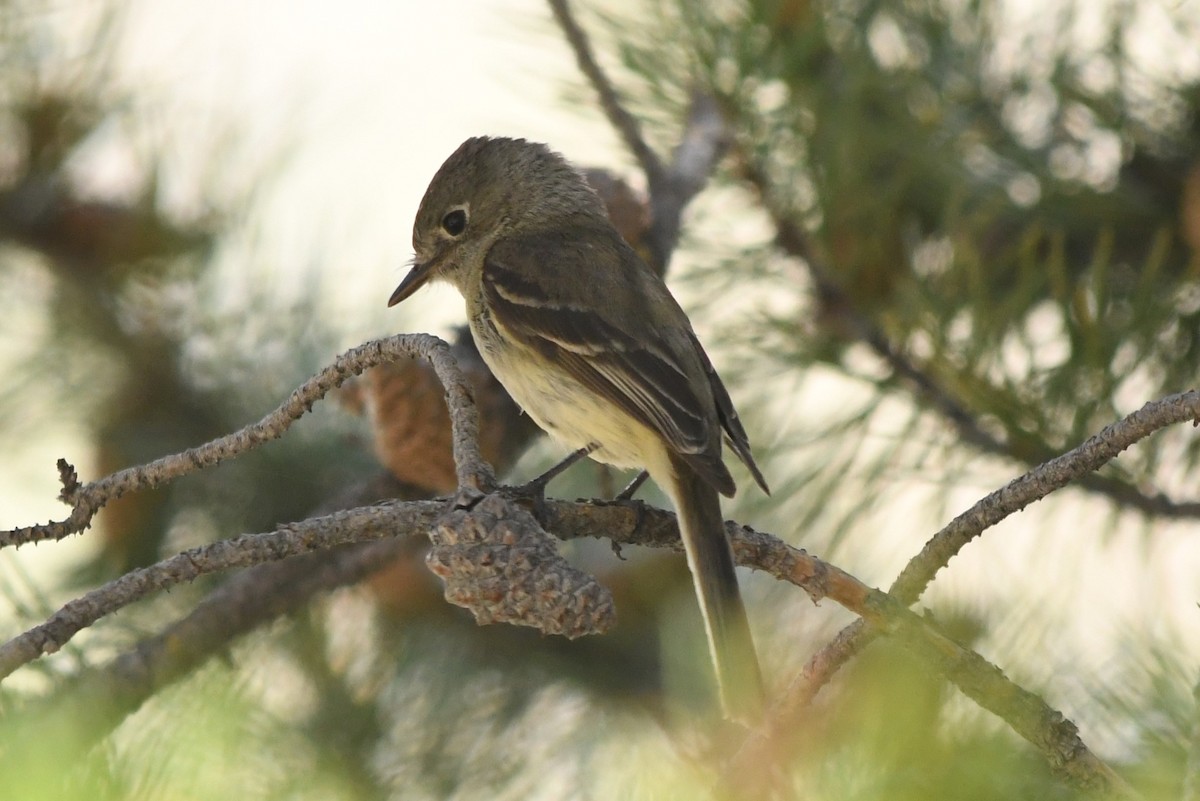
{"x": 738, "y": 441}
{"x": 624, "y": 357}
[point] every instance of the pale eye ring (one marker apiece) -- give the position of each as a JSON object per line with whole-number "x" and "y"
{"x": 455, "y": 222}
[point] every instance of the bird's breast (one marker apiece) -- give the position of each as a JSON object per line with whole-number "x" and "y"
{"x": 562, "y": 406}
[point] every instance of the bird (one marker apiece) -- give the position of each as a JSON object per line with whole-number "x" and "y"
{"x": 589, "y": 341}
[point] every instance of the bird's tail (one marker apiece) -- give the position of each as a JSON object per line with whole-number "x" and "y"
{"x": 730, "y": 644}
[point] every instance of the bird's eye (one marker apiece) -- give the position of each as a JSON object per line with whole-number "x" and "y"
{"x": 455, "y": 222}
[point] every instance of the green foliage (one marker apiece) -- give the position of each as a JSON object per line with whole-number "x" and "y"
{"x": 1010, "y": 203}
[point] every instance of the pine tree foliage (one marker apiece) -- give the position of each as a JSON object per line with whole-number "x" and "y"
{"x": 1009, "y": 205}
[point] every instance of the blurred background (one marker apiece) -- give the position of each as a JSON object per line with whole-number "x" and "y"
{"x": 950, "y": 240}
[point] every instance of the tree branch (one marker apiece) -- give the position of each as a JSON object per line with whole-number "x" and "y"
{"x": 634, "y": 523}
{"x": 1047, "y": 729}
{"x": 625, "y": 123}
{"x": 472, "y": 470}
{"x": 987, "y": 512}
{"x": 705, "y": 139}
{"x": 1039, "y": 482}
{"x": 93, "y": 704}
{"x": 356, "y": 525}
{"x": 794, "y": 241}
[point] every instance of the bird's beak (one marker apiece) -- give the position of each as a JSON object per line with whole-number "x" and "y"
{"x": 416, "y": 278}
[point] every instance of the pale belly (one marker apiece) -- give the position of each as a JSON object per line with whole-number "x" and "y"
{"x": 574, "y": 415}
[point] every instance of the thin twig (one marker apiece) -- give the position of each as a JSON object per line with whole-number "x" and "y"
{"x": 1039, "y": 482}
{"x": 627, "y": 523}
{"x": 96, "y": 701}
{"x": 356, "y": 525}
{"x": 793, "y": 240}
{"x": 706, "y": 138}
{"x": 943, "y": 546}
{"x": 633, "y": 523}
{"x": 704, "y": 141}
{"x": 1046, "y": 728}
{"x": 625, "y": 123}
{"x": 472, "y": 470}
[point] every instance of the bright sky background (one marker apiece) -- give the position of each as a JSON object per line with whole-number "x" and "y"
{"x": 347, "y": 109}
{"x": 365, "y": 99}
{"x": 370, "y": 96}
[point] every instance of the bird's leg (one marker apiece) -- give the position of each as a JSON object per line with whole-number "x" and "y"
{"x": 632, "y": 487}
{"x": 536, "y": 488}
{"x": 626, "y": 495}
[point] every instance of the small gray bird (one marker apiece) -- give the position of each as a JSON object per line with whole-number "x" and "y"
{"x": 591, "y": 344}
